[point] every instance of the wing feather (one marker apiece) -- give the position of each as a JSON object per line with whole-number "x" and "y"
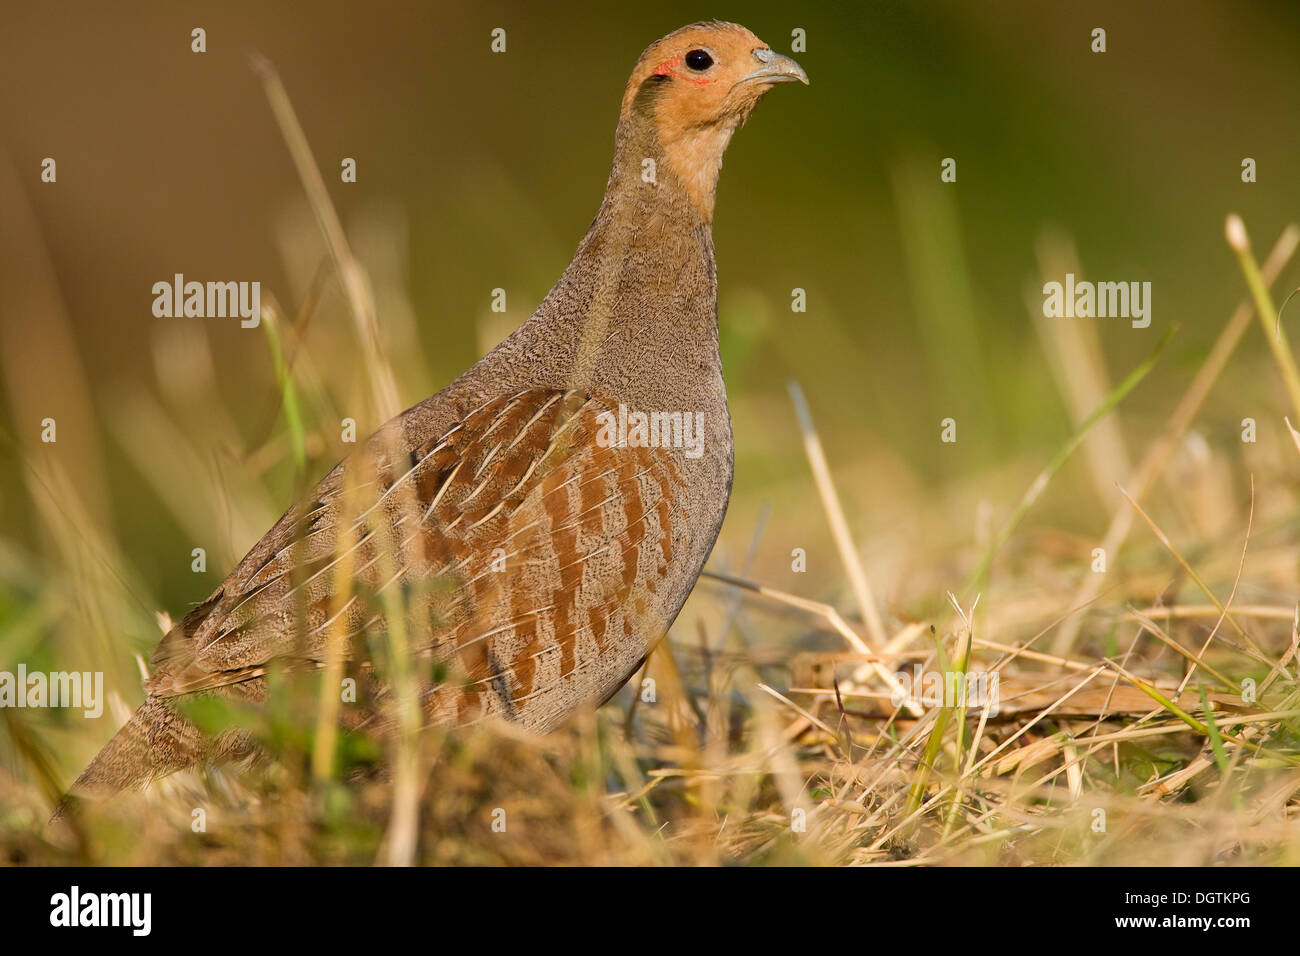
{"x": 526, "y": 549}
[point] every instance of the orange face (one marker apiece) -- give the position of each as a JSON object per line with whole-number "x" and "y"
{"x": 710, "y": 72}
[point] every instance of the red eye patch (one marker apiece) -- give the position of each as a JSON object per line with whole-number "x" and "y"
{"x": 669, "y": 68}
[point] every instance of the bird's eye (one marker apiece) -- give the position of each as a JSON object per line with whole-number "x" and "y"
{"x": 699, "y": 61}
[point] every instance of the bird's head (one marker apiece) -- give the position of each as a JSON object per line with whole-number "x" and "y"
{"x": 694, "y": 88}
{"x": 708, "y": 73}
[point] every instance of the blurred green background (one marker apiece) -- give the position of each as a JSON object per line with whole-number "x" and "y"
{"x": 478, "y": 171}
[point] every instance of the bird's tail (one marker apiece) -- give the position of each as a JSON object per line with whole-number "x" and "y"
{"x": 156, "y": 741}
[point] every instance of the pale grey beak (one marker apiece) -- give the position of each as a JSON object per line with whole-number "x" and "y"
{"x": 775, "y": 69}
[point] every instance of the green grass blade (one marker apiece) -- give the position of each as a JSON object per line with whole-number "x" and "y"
{"x": 1040, "y": 483}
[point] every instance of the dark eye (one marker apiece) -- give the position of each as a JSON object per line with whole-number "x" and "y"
{"x": 699, "y": 61}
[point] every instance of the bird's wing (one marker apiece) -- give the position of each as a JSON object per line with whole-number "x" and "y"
{"x": 519, "y": 544}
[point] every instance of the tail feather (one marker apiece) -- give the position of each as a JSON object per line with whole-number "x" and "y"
{"x": 156, "y": 741}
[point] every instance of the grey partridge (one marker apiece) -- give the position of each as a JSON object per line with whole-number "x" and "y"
{"x": 540, "y": 537}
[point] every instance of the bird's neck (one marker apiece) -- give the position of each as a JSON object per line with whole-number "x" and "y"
{"x": 663, "y": 161}
{"x": 636, "y": 309}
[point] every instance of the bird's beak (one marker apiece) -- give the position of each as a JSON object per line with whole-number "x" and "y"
{"x": 775, "y": 69}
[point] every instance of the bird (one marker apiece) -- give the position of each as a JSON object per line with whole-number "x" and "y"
{"x": 537, "y": 524}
